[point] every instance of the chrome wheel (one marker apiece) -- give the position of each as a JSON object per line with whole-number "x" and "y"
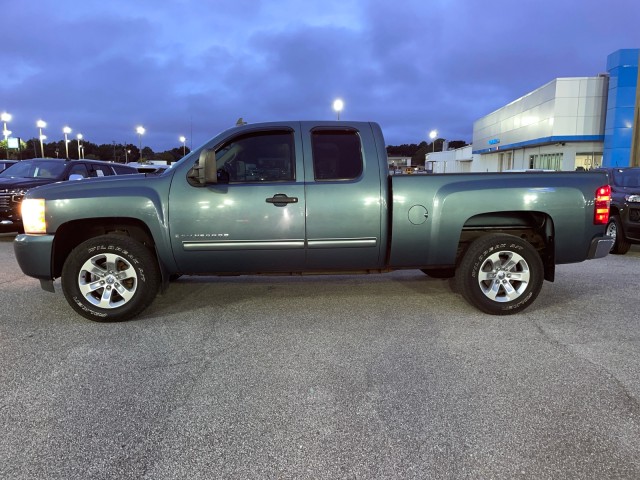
{"x": 500, "y": 274}
{"x": 107, "y": 280}
{"x": 612, "y": 230}
{"x": 503, "y": 276}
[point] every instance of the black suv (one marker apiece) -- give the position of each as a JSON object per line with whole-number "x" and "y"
{"x": 624, "y": 215}
{"x": 27, "y": 174}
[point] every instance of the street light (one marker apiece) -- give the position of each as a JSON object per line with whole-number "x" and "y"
{"x": 79, "y": 137}
{"x": 432, "y": 135}
{"x": 66, "y": 131}
{"x": 41, "y": 124}
{"x": 338, "y": 105}
{"x": 183, "y": 139}
{"x": 140, "y": 131}
{"x": 5, "y": 117}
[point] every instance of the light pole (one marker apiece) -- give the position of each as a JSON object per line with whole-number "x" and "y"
{"x": 79, "y": 137}
{"x": 432, "y": 135}
{"x": 183, "y": 139}
{"x": 5, "y": 117}
{"x": 140, "y": 131}
{"x": 338, "y": 105}
{"x": 66, "y": 131}
{"x": 41, "y": 124}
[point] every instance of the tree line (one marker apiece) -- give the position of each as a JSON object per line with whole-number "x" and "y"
{"x": 122, "y": 153}
{"x": 114, "y": 152}
{"x": 418, "y": 151}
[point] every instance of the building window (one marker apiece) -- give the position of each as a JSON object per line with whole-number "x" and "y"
{"x": 505, "y": 161}
{"x": 588, "y": 160}
{"x": 546, "y": 161}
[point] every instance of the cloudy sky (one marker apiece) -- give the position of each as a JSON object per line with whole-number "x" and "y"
{"x": 193, "y": 67}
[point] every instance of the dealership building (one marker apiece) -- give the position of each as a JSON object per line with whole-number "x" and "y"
{"x": 568, "y": 124}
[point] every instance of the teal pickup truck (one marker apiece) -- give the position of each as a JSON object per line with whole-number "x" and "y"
{"x": 307, "y": 197}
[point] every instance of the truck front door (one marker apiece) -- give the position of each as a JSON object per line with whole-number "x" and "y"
{"x": 255, "y": 222}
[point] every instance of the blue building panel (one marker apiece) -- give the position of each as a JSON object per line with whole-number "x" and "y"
{"x": 622, "y": 117}
{"x": 619, "y": 157}
{"x": 621, "y": 138}
{"x": 628, "y": 77}
{"x": 626, "y": 96}
{"x": 623, "y": 57}
{"x": 622, "y": 66}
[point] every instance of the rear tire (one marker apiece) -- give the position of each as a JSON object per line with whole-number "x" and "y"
{"x": 110, "y": 278}
{"x": 500, "y": 274}
{"x": 614, "y": 229}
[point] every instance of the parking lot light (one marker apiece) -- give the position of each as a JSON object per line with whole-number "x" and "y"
{"x": 66, "y": 131}
{"x": 41, "y": 124}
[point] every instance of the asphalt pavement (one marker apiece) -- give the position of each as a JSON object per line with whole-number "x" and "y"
{"x": 328, "y": 377}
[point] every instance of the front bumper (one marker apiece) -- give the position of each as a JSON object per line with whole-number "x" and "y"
{"x": 34, "y": 255}
{"x": 600, "y": 247}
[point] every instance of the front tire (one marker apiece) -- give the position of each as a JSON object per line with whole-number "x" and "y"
{"x": 614, "y": 229}
{"x": 110, "y": 278}
{"x": 500, "y": 274}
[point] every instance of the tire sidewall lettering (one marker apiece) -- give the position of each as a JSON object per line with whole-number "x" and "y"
{"x": 470, "y": 269}
{"x": 139, "y": 257}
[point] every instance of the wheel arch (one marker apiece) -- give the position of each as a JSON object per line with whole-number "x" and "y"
{"x": 537, "y": 228}
{"x": 71, "y": 234}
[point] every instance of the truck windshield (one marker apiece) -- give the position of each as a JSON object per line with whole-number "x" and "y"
{"x": 35, "y": 169}
{"x": 627, "y": 177}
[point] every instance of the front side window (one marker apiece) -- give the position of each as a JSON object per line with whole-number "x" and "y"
{"x": 258, "y": 157}
{"x": 337, "y": 154}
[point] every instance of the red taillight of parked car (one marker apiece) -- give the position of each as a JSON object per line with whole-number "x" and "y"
{"x": 602, "y": 203}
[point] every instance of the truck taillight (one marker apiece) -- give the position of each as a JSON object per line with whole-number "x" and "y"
{"x": 602, "y": 203}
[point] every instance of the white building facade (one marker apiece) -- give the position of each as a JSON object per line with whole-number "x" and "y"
{"x": 559, "y": 126}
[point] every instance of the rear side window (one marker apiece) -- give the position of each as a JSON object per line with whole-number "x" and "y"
{"x": 123, "y": 169}
{"x": 98, "y": 170}
{"x": 337, "y": 154}
{"x": 79, "y": 169}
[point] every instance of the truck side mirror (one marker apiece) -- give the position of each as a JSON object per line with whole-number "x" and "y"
{"x": 209, "y": 164}
{"x": 204, "y": 171}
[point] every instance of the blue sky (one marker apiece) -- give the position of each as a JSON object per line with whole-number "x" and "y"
{"x": 189, "y": 67}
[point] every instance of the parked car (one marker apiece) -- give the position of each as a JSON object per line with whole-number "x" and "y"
{"x": 4, "y": 164}
{"x": 152, "y": 168}
{"x": 22, "y": 176}
{"x": 624, "y": 216}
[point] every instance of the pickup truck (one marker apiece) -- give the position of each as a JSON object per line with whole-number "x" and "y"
{"x": 307, "y": 198}
{"x": 624, "y": 213}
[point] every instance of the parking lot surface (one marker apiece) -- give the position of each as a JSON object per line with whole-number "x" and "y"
{"x": 382, "y": 376}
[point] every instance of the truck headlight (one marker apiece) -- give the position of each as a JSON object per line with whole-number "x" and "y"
{"x": 33, "y": 215}
{"x": 632, "y": 198}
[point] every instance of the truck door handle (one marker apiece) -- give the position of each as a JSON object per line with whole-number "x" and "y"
{"x": 281, "y": 200}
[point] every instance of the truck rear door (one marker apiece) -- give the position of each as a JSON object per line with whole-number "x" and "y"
{"x": 344, "y": 206}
